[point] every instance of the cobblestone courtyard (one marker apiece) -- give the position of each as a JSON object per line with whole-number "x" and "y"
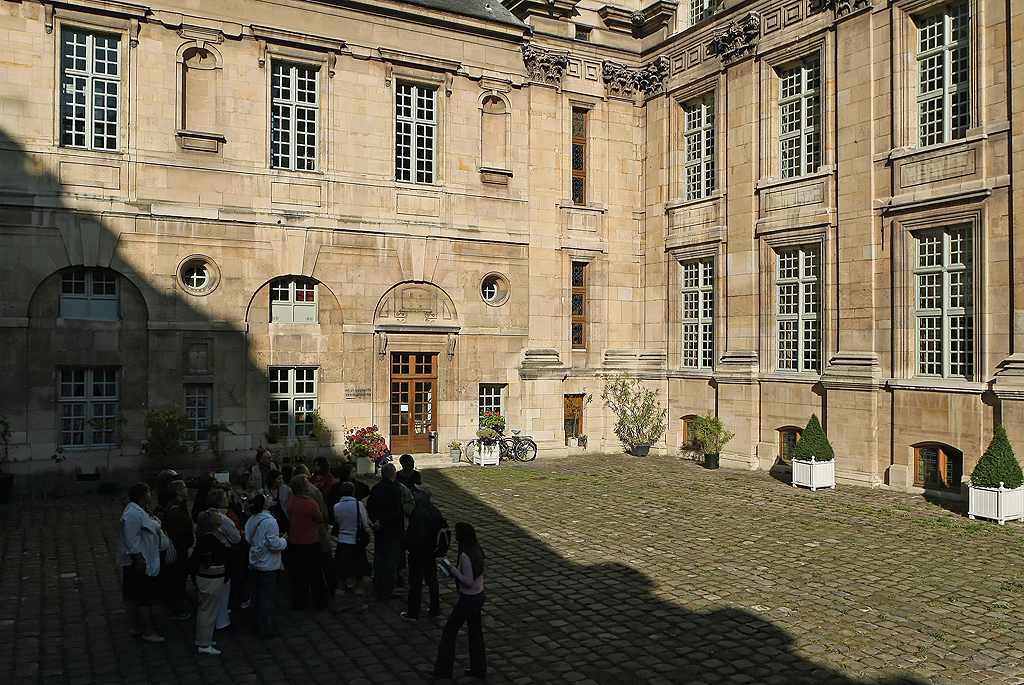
{"x": 600, "y": 569}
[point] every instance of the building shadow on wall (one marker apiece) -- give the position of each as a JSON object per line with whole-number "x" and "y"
{"x": 161, "y": 342}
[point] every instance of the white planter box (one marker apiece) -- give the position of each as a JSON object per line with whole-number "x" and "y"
{"x": 998, "y": 504}
{"x": 364, "y": 466}
{"x": 814, "y": 474}
{"x": 486, "y": 455}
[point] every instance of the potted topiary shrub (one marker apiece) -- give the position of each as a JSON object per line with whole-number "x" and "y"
{"x": 640, "y": 420}
{"x": 995, "y": 490}
{"x": 710, "y": 437}
{"x": 814, "y": 464}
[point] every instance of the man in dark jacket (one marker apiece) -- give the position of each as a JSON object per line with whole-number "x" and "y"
{"x": 421, "y": 541}
{"x": 384, "y": 508}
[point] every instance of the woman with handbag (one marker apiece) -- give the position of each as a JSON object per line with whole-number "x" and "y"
{"x": 209, "y": 567}
{"x": 350, "y": 563}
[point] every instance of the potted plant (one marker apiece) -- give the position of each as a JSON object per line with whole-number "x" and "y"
{"x": 710, "y": 437}
{"x": 59, "y": 490}
{"x": 272, "y": 435}
{"x": 365, "y": 446}
{"x": 6, "y": 479}
{"x": 487, "y": 452}
{"x": 165, "y": 435}
{"x": 582, "y": 441}
{"x": 455, "y": 447}
{"x": 995, "y": 490}
{"x": 640, "y": 418}
{"x": 493, "y": 420}
{"x": 814, "y": 463}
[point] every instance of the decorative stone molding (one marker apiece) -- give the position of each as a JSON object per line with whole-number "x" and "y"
{"x": 738, "y": 39}
{"x": 558, "y": 9}
{"x": 543, "y": 65}
{"x": 541, "y": 363}
{"x": 621, "y": 80}
{"x": 840, "y": 8}
{"x": 639, "y": 23}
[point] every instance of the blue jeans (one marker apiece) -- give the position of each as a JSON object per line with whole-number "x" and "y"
{"x": 467, "y": 610}
{"x": 264, "y": 589}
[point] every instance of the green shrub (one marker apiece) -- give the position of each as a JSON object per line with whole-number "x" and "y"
{"x": 814, "y": 443}
{"x": 709, "y": 433}
{"x": 640, "y": 418}
{"x": 165, "y": 431}
{"x": 998, "y": 465}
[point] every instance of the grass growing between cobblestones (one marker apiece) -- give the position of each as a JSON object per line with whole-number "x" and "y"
{"x": 868, "y": 582}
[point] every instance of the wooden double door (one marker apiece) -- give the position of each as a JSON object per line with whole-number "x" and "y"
{"x": 413, "y": 401}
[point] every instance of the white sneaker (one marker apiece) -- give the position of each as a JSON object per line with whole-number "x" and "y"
{"x": 209, "y": 650}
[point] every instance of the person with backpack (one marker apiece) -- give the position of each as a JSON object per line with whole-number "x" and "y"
{"x": 426, "y": 526}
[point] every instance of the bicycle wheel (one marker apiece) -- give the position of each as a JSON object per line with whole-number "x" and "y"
{"x": 505, "y": 451}
{"x": 526, "y": 450}
{"x": 471, "y": 449}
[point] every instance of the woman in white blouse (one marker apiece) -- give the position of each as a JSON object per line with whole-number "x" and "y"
{"x": 469, "y": 572}
{"x": 139, "y": 558}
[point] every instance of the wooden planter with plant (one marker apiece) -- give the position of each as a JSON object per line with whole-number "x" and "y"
{"x": 710, "y": 437}
{"x": 640, "y": 419}
{"x": 995, "y": 491}
{"x": 814, "y": 462}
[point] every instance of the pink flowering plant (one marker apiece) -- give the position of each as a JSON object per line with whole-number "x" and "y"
{"x": 365, "y": 442}
{"x": 493, "y": 420}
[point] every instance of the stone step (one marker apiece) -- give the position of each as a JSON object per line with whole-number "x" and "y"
{"x": 433, "y": 461}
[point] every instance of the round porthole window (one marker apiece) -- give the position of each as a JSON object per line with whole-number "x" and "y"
{"x": 494, "y": 289}
{"x": 198, "y": 275}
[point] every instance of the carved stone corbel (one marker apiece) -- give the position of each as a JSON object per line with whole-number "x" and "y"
{"x": 48, "y": 17}
{"x": 263, "y": 52}
{"x": 621, "y": 80}
{"x": 332, "y": 62}
{"x": 840, "y": 8}
{"x": 618, "y": 78}
{"x": 738, "y": 39}
{"x": 134, "y": 27}
{"x": 544, "y": 66}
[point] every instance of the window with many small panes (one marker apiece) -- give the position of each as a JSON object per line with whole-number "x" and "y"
{"x": 292, "y": 400}
{"x": 579, "y": 305}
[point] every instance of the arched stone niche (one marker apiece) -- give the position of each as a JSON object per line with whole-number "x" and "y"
{"x": 416, "y": 306}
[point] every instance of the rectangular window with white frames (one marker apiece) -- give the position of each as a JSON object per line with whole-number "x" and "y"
{"x": 87, "y": 403}
{"x": 943, "y": 303}
{"x": 698, "y": 314}
{"x": 943, "y": 86}
{"x": 87, "y": 293}
{"x": 198, "y": 401}
{"x": 90, "y": 90}
{"x": 415, "y": 133}
{"x": 800, "y": 119}
{"x": 698, "y": 11}
{"x": 699, "y": 146}
{"x": 294, "y": 111}
{"x": 292, "y": 400}
{"x": 293, "y": 300}
{"x": 492, "y": 398}
{"x": 798, "y": 309}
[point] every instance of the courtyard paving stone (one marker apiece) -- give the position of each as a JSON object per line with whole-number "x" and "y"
{"x": 601, "y": 569}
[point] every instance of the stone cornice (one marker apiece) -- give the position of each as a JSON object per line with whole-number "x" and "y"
{"x": 544, "y": 65}
{"x": 738, "y": 39}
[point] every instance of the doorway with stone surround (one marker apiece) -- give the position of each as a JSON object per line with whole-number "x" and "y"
{"x": 413, "y": 401}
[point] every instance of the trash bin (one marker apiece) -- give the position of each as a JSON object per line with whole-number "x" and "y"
{"x": 433, "y": 442}
{"x": 711, "y": 461}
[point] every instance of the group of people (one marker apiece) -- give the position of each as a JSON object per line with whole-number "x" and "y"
{"x": 240, "y": 538}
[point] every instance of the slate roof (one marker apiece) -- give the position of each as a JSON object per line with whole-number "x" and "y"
{"x": 473, "y": 8}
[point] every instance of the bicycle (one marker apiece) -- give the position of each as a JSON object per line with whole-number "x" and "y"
{"x": 517, "y": 447}
{"x": 510, "y": 448}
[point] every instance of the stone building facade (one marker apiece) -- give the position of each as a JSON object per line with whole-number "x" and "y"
{"x": 407, "y": 213}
